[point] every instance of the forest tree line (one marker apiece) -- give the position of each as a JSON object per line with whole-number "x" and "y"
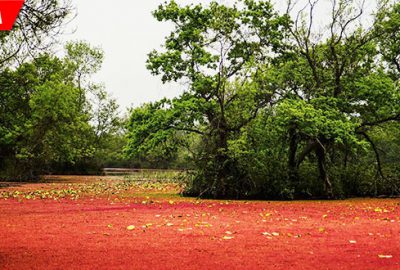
{"x": 53, "y": 117}
{"x": 278, "y": 105}
{"x": 275, "y": 105}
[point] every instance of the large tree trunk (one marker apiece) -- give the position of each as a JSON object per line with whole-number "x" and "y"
{"x": 293, "y": 171}
{"x": 323, "y": 174}
{"x": 222, "y": 158}
{"x": 219, "y": 151}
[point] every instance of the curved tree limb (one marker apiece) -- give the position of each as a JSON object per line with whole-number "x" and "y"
{"x": 377, "y": 156}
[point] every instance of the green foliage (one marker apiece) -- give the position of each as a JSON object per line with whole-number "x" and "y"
{"x": 277, "y": 110}
{"x": 388, "y": 28}
{"x": 47, "y": 120}
{"x": 212, "y": 47}
{"x": 320, "y": 117}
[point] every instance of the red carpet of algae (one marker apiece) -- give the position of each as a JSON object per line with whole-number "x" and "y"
{"x": 92, "y": 223}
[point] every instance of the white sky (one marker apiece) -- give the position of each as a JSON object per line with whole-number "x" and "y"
{"x": 127, "y": 32}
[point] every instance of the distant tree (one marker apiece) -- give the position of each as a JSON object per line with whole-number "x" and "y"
{"x": 53, "y": 116}
{"x": 41, "y": 117}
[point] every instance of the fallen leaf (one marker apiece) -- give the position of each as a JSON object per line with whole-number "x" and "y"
{"x": 227, "y": 237}
{"x": 385, "y": 256}
{"x": 130, "y": 227}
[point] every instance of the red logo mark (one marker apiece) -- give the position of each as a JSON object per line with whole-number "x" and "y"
{"x": 9, "y": 10}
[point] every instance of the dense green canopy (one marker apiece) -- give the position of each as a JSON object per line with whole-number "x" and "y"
{"x": 274, "y": 108}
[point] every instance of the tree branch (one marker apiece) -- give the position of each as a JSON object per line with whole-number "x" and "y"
{"x": 377, "y": 156}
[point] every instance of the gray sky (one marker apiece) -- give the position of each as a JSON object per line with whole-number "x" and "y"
{"x": 127, "y": 32}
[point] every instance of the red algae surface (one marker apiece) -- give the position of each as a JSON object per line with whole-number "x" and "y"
{"x": 110, "y": 224}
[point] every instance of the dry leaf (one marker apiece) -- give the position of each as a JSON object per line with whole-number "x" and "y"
{"x": 385, "y": 256}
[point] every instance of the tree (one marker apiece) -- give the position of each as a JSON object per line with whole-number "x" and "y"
{"x": 53, "y": 117}
{"x": 387, "y": 29}
{"x": 40, "y": 118}
{"x": 334, "y": 90}
{"x": 84, "y": 60}
{"x": 36, "y": 29}
{"x": 218, "y": 50}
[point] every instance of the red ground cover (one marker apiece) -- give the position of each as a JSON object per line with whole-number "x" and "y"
{"x": 161, "y": 232}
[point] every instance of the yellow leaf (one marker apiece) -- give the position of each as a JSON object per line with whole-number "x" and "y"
{"x": 385, "y": 256}
{"x": 324, "y": 216}
{"x": 275, "y": 234}
{"x": 130, "y": 227}
{"x": 227, "y": 237}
